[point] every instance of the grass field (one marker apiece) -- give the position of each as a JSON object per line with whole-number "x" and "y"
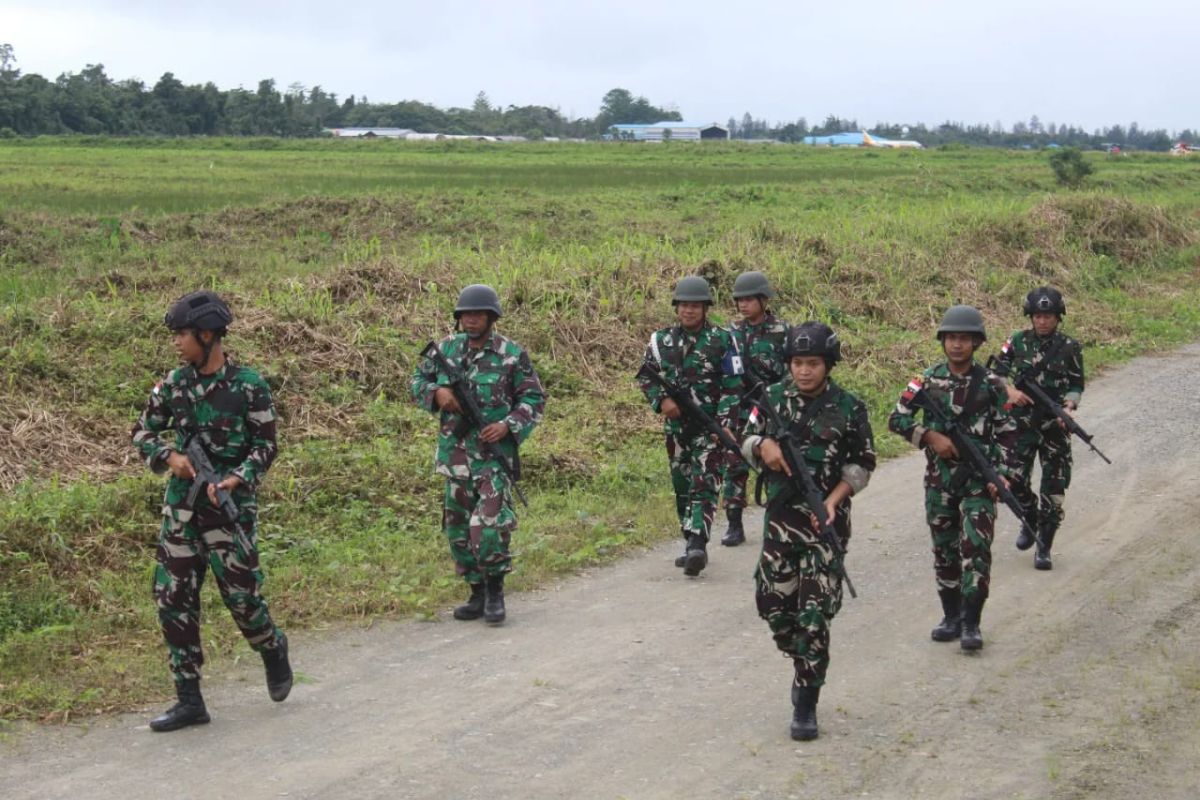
{"x": 343, "y": 258}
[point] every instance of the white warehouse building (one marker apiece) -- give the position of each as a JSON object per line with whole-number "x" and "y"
{"x": 673, "y": 131}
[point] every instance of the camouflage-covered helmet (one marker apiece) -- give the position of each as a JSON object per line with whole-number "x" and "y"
{"x": 814, "y": 339}
{"x": 752, "y": 284}
{"x": 202, "y": 311}
{"x": 477, "y": 297}
{"x": 962, "y": 319}
{"x": 692, "y": 289}
{"x": 1045, "y": 300}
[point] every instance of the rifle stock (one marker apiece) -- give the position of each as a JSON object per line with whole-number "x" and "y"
{"x": 1030, "y": 387}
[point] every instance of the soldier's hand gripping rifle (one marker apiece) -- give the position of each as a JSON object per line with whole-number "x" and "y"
{"x": 1030, "y": 387}
{"x": 206, "y": 476}
{"x": 968, "y": 450}
{"x": 807, "y": 485}
{"x": 692, "y": 411}
{"x": 472, "y": 414}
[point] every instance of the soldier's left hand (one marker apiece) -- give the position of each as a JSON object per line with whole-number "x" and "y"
{"x": 227, "y": 485}
{"x": 493, "y": 433}
{"x": 994, "y": 492}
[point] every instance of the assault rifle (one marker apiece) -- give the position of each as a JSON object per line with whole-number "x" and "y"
{"x": 692, "y": 411}
{"x": 472, "y": 415}
{"x": 1029, "y": 386}
{"x": 977, "y": 460}
{"x": 205, "y": 476}
{"x": 794, "y": 458}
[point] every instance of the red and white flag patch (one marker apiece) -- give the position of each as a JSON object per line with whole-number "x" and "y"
{"x": 912, "y": 390}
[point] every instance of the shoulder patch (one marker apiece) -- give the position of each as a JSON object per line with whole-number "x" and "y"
{"x": 913, "y": 389}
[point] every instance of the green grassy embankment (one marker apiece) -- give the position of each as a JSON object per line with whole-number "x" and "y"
{"x": 342, "y": 259}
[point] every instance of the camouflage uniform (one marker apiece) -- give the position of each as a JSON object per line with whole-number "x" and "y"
{"x": 798, "y": 588}
{"x": 1039, "y": 434}
{"x": 958, "y": 507}
{"x": 694, "y": 361}
{"x": 761, "y": 348}
{"x": 232, "y": 412}
{"x": 478, "y": 515}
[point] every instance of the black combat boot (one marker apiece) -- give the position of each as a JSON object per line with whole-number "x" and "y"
{"x": 1025, "y": 538}
{"x": 493, "y": 604}
{"x": 972, "y": 608}
{"x": 696, "y": 557}
{"x": 1041, "y": 557}
{"x": 804, "y": 712}
{"x": 950, "y": 628}
{"x": 734, "y": 535}
{"x": 279, "y": 671}
{"x": 189, "y": 710}
{"x": 473, "y": 608}
{"x": 681, "y": 560}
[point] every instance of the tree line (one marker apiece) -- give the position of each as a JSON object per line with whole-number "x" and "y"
{"x": 90, "y": 102}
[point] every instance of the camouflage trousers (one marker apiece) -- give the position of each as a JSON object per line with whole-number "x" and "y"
{"x": 479, "y": 519}
{"x": 1051, "y": 445}
{"x": 696, "y": 477}
{"x": 798, "y": 590}
{"x": 962, "y": 526}
{"x": 736, "y": 475}
{"x": 186, "y": 550}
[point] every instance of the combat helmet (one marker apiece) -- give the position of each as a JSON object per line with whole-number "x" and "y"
{"x": 962, "y": 319}
{"x": 752, "y": 284}
{"x": 477, "y": 297}
{"x": 1045, "y": 300}
{"x": 202, "y": 311}
{"x": 814, "y": 339}
{"x": 692, "y": 289}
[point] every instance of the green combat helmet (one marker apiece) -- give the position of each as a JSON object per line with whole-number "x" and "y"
{"x": 202, "y": 311}
{"x": 1045, "y": 300}
{"x": 752, "y": 284}
{"x": 814, "y": 339}
{"x": 477, "y": 297}
{"x": 692, "y": 289}
{"x": 962, "y": 319}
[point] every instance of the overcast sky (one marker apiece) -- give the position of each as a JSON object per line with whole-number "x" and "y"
{"x": 1086, "y": 63}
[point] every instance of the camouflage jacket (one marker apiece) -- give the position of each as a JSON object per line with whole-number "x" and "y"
{"x": 1062, "y": 378}
{"x": 699, "y": 362}
{"x": 837, "y": 440}
{"x": 231, "y": 411}
{"x": 508, "y": 390}
{"x": 762, "y": 348}
{"x": 988, "y": 423}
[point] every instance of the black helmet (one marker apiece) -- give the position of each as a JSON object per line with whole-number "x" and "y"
{"x": 1045, "y": 300}
{"x": 692, "y": 289}
{"x": 752, "y": 284}
{"x": 203, "y": 311}
{"x": 477, "y": 297}
{"x": 962, "y": 319}
{"x": 814, "y": 339}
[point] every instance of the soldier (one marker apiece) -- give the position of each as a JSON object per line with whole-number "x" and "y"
{"x": 1055, "y": 363}
{"x": 760, "y": 339}
{"x": 478, "y": 514}
{"x": 798, "y": 586}
{"x": 696, "y": 356}
{"x": 959, "y": 507}
{"x": 229, "y": 408}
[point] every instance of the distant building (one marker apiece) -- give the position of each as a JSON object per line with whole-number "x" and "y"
{"x": 369, "y": 133}
{"x": 673, "y": 131}
{"x": 858, "y": 139}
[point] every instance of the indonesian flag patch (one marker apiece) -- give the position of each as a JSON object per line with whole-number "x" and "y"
{"x": 1007, "y": 347}
{"x": 754, "y": 416}
{"x": 912, "y": 390}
